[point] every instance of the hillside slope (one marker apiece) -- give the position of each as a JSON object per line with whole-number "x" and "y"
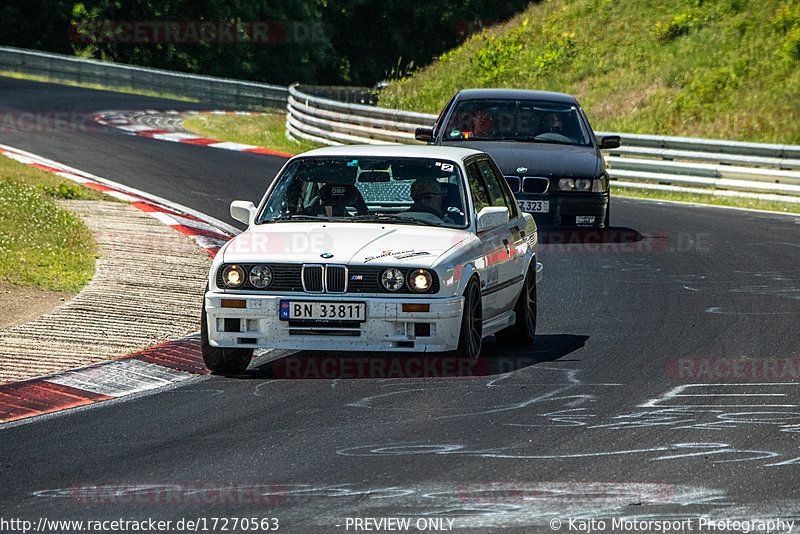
{"x": 727, "y": 69}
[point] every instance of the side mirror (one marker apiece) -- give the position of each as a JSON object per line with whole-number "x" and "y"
{"x": 609, "y": 141}
{"x": 243, "y": 211}
{"x": 424, "y": 134}
{"x": 492, "y": 217}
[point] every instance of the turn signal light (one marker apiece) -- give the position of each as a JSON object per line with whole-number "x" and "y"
{"x": 410, "y": 308}
{"x": 233, "y": 303}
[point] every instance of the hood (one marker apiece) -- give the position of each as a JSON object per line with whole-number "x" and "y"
{"x": 347, "y": 243}
{"x": 541, "y": 159}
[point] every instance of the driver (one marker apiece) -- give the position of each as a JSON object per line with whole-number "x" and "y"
{"x": 552, "y": 123}
{"x": 427, "y": 197}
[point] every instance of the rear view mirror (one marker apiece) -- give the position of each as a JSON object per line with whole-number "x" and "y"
{"x": 424, "y": 134}
{"x": 492, "y": 217}
{"x": 609, "y": 141}
{"x": 243, "y": 211}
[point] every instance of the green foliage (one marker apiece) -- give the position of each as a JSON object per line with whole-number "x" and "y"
{"x": 62, "y": 190}
{"x": 556, "y": 52}
{"x": 494, "y": 58}
{"x": 786, "y": 17}
{"x": 42, "y": 244}
{"x": 679, "y": 25}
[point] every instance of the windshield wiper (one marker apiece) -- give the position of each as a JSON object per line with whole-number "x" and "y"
{"x": 296, "y": 217}
{"x": 385, "y": 217}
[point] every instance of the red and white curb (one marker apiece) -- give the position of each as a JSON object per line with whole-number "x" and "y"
{"x": 155, "y": 367}
{"x": 208, "y": 232}
{"x": 123, "y": 121}
{"x": 159, "y": 366}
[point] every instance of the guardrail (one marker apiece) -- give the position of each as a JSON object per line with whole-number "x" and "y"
{"x": 204, "y": 88}
{"x": 645, "y": 161}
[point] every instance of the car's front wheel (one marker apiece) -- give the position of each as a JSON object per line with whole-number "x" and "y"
{"x": 218, "y": 360}
{"x": 470, "y": 339}
{"x": 524, "y": 328}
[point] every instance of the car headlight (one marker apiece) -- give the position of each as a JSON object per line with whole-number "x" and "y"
{"x": 233, "y": 275}
{"x": 260, "y": 276}
{"x": 566, "y": 184}
{"x": 392, "y": 279}
{"x": 583, "y": 184}
{"x": 420, "y": 280}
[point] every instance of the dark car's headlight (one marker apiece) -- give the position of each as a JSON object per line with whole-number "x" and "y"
{"x": 260, "y": 276}
{"x": 420, "y": 280}
{"x": 575, "y": 184}
{"x": 233, "y": 275}
{"x": 392, "y": 279}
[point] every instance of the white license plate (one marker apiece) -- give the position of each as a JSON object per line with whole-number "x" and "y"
{"x": 330, "y": 311}
{"x": 534, "y": 206}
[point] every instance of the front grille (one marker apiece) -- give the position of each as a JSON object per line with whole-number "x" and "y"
{"x": 312, "y": 278}
{"x": 535, "y": 184}
{"x": 324, "y": 278}
{"x": 513, "y": 183}
{"x": 336, "y": 278}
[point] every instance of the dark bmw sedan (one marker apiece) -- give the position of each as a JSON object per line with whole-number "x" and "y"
{"x": 543, "y": 144}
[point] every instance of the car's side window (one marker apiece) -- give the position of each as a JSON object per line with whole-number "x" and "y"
{"x": 480, "y": 197}
{"x": 497, "y": 194}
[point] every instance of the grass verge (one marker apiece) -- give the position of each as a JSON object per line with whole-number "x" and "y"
{"x": 100, "y": 87}
{"x": 267, "y": 130}
{"x": 41, "y": 244}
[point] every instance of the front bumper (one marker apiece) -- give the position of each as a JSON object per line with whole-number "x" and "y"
{"x": 565, "y": 207}
{"x": 386, "y": 328}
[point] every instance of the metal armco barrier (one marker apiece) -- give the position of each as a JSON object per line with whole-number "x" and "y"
{"x": 336, "y": 115}
{"x": 204, "y": 88}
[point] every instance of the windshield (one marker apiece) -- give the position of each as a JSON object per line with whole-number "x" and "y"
{"x": 516, "y": 120}
{"x": 369, "y": 189}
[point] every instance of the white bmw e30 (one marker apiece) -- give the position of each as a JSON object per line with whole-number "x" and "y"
{"x": 374, "y": 248}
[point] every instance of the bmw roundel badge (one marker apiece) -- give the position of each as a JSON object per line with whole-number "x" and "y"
{"x": 522, "y": 169}
{"x": 326, "y": 255}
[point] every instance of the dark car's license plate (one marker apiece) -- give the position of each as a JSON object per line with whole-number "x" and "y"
{"x": 534, "y": 206}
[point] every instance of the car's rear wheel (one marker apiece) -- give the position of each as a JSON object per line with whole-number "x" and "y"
{"x": 218, "y": 360}
{"x": 470, "y": 339}
{"x": 524, "y": 328}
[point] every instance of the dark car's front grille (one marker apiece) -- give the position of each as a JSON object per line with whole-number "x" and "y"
{"x": 513, "y": 183}
{"x": 535, "y": 184}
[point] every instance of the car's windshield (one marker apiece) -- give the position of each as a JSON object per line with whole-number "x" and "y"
{"x": 399, "y": 190}
{"x": 516, "y": 120}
